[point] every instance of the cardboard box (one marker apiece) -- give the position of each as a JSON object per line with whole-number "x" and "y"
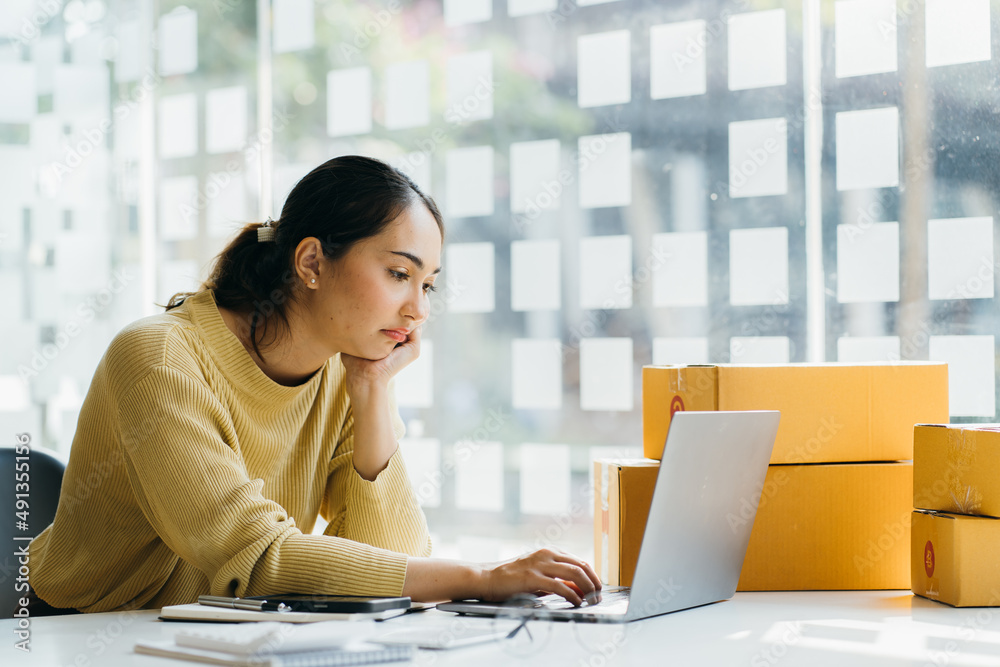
{"x": 623, "y": 493}
{"x": 829, "y": 412}
{"x": 830, "y": 527}
{"x": 954, "y": 559}
{"x": 957, "y": 468}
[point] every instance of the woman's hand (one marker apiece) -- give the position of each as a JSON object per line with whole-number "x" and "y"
{"x": 544, "y": 571}
{"x": 364, "y": 374}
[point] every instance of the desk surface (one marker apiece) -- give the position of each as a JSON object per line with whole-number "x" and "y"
{"x": 757, "y": 629}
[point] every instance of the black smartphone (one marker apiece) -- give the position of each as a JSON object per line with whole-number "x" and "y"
{"x": 335, "y": 603}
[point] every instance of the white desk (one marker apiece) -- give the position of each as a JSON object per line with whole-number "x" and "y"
{"x": 756, "y": 629}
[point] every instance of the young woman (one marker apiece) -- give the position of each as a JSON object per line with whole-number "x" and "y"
{"x": 215, "y": 433}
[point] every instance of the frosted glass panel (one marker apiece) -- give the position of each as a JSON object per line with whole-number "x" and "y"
{"x": 865, "y": 37}
{"x": 178, "y": 44}
{"x": 469, "y": 181}
{"x": 868, "y": 262}
{"x": 535, "y": 183}
{"x": 536, "y": 368}
{"x": 225, "y": 119}
{"x": 470, "y": 87}
{"x": 479, "y": 475}
{"x": 606, "y": 272}
{"x": 349, "y": 101}
{"x": 759, "y": 350}
{"x": 415, "y": 383}
{"x": 422, "y": 457}
{"x": 19, "y": 102}
{"x": 960, "y": 258}
{"x": 293, "y": 23}
{"x": 469, "y": 268}
{"x": 668, "y": 351}
{"x": 603, "y": 69}
{"x": 525, "y": 7}
{"x": 868, "y": 149}
{"x": 680, "y": 274}
{"x": 757, "y": 51}
{"x": 178, "y": 126}
{"x": 418, "y": 167}
{"x": 861, "y": 349}
{"x": 958, "y": 31}
{"x": 758, "y": 266}
{"x": 676, "y": 69}
{"x": 606, "y": 374}
{"x": 178, "y": 214}
{"x": 758, "y": 157}
{"x": 459, "y": 12}
{"x": 971, "y": 376}
{"x": 534, "y": 275}
{"x": 605, "y": 166}
{"x": 545, "y": 478}
{"x": 407, "y": 95}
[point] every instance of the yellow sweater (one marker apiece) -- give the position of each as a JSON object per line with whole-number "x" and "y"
{"x": 192, "y": 473}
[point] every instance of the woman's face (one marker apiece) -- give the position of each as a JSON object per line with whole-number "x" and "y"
{"x": 370, "y": 299}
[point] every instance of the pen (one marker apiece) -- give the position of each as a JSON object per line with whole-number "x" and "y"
{"x": 242, "y": 603}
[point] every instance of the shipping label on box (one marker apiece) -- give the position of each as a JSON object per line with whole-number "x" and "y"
{"x": 831, "y": 527}
{"x": 829, "y": 412}
{"x": 954, "y": 559}
{"x": 957, "y": 468}
{"x": 623, "y": 493}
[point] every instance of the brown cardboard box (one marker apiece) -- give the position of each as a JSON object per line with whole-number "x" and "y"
{"x": 957, "y": 468}
{"x": 955, "y": 559}
{"x": 623, "y": 492}
{"x": 830, "y": 527}
{"x": 829, "y": 412}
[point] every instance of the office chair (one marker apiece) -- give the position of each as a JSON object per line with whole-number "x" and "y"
{"x": 44, "y": 480}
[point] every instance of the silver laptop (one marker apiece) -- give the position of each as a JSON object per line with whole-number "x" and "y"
{"x": 710, "y": 481}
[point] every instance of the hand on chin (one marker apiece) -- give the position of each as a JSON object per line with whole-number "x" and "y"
{"x": 366, "y": 371}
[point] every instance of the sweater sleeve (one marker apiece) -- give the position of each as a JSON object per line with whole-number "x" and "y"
{"x": 188, "y": 476}
{"x": 384, "y": 512}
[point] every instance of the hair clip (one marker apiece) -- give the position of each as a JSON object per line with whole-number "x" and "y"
{"x": 265, "y": 232}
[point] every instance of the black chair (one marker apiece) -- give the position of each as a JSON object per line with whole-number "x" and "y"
{"x": 44, "y": 479}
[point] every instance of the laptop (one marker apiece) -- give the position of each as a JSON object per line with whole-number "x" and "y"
{"x": 706, "y": 496}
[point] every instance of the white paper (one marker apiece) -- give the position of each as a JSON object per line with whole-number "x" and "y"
{"x": 759, "y": 350}
{"x": 758, "y": 266}
{"x": 534, "y": 275}
{"x": 864, "y": 349}
{"x": 479, "y": 476}
{"x": 868, "y": 262}
{"x": 407, "y": 95}
{"x": 293, "y": 25}
{"x": 178, "y": 212}
{"x": 422, "y": 457}
{"x": 470, "y": 87}
{"x": 349, "y": 101}
{"x": 960, "y": 258}
{"x": 461, "y": 12}
{"x": 535, "y": 183}
{"x": 680, "y": 269}
{"x": 678, "y": 59}
{"x": 868, "y": 149}
{"x": 417, "y": 166}
{"x": 128, "y": 56}
{"x": 971, "y": 381}
{"x": 415, "y": 383}
{"x": 536, "y": 373}
{"x": 545, "y": 479}
{"x": 865, "y": 37}
{"x": 19, "y": 102}
{"x": 606, "y": 272}
{"x": 525, "y": 7}
{"x": 225, "y": 119}
{"x": 606, "y": 374}
{"x": 669, "y": 351}
{"x": 82, "y": 93}
{"x": 605, "y": 167}
{"x": 469, "y": 181}
{"x": 604, "y": 74}
{"x": 757, "y": 50}
{"x": 469, "y": 277}
{"x": 178, "y": 45}
{"x": 228, "y": 209}
{"x": 178, "y": 125}
{"x": 958, "y": 31}
{"x": 758, "y": 157}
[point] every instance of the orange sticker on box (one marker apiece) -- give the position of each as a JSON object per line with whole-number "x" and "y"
{"x": 676, "y": 405}
{"x": 929, "y": 559}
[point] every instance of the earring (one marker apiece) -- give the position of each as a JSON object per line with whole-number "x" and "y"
{"x": 313, "y": 280}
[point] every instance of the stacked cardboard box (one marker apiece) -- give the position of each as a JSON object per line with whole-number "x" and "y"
{"x": 834, "y": 511}
{"x": 956, "y": 529}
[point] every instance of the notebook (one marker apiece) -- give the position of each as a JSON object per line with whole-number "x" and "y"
{"x": 353, "y": 654}
{"x": 200, "y": 612}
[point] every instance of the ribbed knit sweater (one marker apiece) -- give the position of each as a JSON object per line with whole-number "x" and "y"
{"x": 192, "y": 472}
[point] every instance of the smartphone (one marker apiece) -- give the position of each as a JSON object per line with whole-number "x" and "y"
{"x": 335, "y": 603}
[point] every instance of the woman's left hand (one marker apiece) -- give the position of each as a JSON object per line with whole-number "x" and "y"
{"x": 367, "y": 373}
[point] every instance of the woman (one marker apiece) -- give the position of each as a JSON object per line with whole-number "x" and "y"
{"x": 215, "y": 433}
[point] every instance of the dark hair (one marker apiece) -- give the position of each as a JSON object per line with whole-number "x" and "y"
{"x": 342, "y": 201}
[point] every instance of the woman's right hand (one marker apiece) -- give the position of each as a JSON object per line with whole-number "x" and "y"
{"x": 543, "y": 571}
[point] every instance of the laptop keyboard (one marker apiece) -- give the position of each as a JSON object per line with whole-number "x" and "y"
{"x": 613, "y": 600}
